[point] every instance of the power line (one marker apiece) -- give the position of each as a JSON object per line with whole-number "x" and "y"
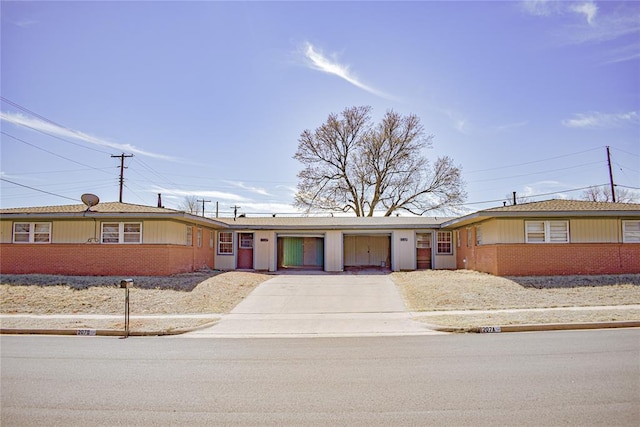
{"x": 36, "y": 189}
{"x": 537, "y": 173}
{"x": 26, "y": 110}
{"x": 51, "y": 152}
{"x": 534, "y": 161}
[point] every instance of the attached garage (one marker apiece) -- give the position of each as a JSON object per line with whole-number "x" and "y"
{"x": 367, "y": 250}
{"x": 300, "y": 252}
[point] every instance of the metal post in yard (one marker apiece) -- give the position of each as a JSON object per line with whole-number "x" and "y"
{"x": 126, "y": 284}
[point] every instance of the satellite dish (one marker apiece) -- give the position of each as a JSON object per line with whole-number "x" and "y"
{"x": 90, "y": 199}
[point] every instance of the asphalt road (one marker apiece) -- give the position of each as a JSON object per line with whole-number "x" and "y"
{"x": 542, "y": 378}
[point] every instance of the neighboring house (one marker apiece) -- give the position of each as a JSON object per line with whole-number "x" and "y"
{"x": 107, "y": 239}
{"x": 551, "y": 237}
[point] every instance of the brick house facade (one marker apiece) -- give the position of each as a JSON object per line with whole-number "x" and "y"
{"x": 109, "y": 239}
{"x": 554, "y": 237}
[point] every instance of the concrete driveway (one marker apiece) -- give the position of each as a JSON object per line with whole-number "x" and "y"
{"x": 319, "y": 305}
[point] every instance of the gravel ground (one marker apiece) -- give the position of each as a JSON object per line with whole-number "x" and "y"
{"x": 215, "y": 292}
{"x": 469, "y": 290}
{"x": 426, "y": 291}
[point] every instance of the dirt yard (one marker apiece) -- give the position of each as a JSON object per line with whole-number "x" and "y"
{"x": 215, "y": 292}
{"x": 429, "y": 291}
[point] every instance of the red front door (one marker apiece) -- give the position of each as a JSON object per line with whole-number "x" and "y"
{"x": 245, "y": 251}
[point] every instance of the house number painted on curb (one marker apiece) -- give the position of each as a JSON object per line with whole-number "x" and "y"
{"x": 86, "y": 332}
{"x": 489, "y": 329}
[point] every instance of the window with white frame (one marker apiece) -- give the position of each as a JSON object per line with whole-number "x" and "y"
{"x": 121, "y": 232}
{"x": 444, "y": 243}
{"x": 225, "y": 243}
{"x": 478, "y": 235}
{"x": 246, "y": 240}
{"x": 31, "y": 232}
{"x": 188, "y": 240}
{"x": 631, "y": 231}
{"x": 547, "y": 231}
{"x": 199, "y": 237}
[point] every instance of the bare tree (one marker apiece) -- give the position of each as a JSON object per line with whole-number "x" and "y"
{"x": 351, "y": 165}
{"x": 190, "y": 205}
{"x": 602, "y": 193}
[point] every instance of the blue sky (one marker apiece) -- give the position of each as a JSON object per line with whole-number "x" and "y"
{"x": 211, "y": 97}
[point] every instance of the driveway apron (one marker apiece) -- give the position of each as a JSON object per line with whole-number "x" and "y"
{"x": 319, "y": 305}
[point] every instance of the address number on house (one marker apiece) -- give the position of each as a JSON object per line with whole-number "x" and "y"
{"x": 86, "y": 332}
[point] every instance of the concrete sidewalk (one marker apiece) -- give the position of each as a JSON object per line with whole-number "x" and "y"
{"x": 319, "y": 305}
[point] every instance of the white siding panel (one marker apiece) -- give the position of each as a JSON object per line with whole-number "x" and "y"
{"x": 333, "y": 251}
{"x": 403, "y": 250}
{"x": 263, "y": 244}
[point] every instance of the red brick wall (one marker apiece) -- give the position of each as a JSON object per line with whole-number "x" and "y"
{"x": 104, "y": 260}
{"x": 555, "y": 259}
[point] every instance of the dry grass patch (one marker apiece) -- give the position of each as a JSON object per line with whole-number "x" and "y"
{"x": 154, "y": 325}
{"x": 435, "y": 290}
{"x": 218, "y": 293}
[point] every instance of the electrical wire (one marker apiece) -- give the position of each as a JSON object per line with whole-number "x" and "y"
{"x": 535, "y": 161}
{"x": 36, "y": 189}
{"x": 26, "y": 110}
{"x": 51, "y": 152}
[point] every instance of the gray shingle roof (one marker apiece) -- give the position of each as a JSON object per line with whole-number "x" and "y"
{"x": 333, "y": 222}
{"x": 551, "y": 208}
{"x": 556, "y": 205}
{"x": 107, "y": 207}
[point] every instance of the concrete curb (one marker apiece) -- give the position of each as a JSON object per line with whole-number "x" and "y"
{"x": 103, "y": 332}
{"x": 477, "y": 329}
{"x": 540, "y": 327}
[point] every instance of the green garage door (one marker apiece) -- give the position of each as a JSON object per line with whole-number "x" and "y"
{"x": 300, "y": 252}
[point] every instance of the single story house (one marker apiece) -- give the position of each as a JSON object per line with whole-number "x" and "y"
{"x": 540, "y": 238}
{"x": 553, "y": 237}
{"x": 107, "y": 239}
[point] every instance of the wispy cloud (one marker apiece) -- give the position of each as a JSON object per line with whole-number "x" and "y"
{"x": 317, "y": 60}
{"x": 64, "y": 132}
{"x": 594, "y": 25}
{"x": 215, "y": 195}
{"x": 242, "y": 185}
{"x": 26, "y": 23}
{"x": 509, "y": 126}
{"x": 596, "y": 120}
{"x": 588, "y": 9}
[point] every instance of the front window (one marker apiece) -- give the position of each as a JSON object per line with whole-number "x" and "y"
{"x": 189, "y": 236}
{"x": 225, "y": 243}
{"x": 631, "y": 231}
{"x": 199, "y": 237}
{"x": 444, "y": 242}
{"x": 32, "y": 232}
{"x": 478, "y": 236}
{"x": 121, "y": 232}
{"x": 547, "y": 231}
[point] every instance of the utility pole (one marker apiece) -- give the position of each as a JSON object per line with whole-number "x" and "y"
{"x": 235, "y": 211}
{"x": 203, "y": 202}
{"x": 122, "y": 168}
{"x": 613, "y": 187}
